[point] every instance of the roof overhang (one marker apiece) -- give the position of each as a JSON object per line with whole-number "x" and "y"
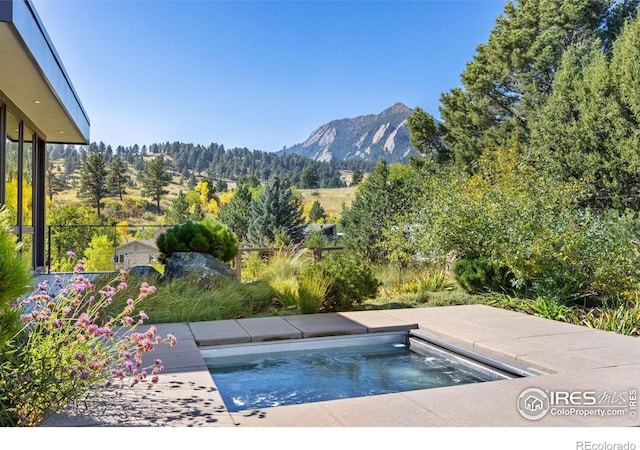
{"x": 33, "y": 79}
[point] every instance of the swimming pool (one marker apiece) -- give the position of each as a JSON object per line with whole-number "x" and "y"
{"x": 273, "y": 374}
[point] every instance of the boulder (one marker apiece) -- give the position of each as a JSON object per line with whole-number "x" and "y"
{"x": 144, "y": 272}
{"x": 203, "y": 268}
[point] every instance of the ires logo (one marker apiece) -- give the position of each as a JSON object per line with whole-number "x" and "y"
{"x": 534, "y": 403}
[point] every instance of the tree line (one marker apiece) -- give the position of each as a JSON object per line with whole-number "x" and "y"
{"x": 127, "y": 166}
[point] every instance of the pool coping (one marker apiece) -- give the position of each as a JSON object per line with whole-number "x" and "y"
{"x": 571, "y": 358}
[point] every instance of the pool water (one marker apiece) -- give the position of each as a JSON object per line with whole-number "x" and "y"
{"x": 305, "y": 376}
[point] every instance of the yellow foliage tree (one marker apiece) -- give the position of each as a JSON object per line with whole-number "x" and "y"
{"x": 99, "y": 254}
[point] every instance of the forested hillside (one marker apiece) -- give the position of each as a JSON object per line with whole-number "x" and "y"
{"x": 189, "y": 163}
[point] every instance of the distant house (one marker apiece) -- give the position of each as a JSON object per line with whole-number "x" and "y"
{"x": 328, "y": 230}
{"x": 136, "y": 253}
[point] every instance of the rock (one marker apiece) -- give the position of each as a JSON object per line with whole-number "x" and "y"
{"x": 203, "y": 268}
{"x": 144, "y": 272}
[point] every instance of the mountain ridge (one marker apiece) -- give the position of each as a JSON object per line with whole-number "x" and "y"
{"x": 367, "y": 137}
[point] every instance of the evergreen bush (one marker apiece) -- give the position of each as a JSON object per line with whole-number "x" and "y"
{"x": 209, "y": 237}
{"x": 477, "y": 275}
{"x": 353, "y": 281}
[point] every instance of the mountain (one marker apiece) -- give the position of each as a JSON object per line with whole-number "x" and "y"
{"x": 368, "y": 138}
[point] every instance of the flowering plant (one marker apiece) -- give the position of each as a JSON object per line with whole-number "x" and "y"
{"x": 68, "y": 347}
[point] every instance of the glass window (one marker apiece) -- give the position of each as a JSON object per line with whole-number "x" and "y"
{"x": 11, "y": 169}
{"x": 27, "y": 178}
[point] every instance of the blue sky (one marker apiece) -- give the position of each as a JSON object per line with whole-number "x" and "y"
{"x": 257, "y": 74}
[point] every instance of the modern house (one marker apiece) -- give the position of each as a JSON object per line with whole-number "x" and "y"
{"x": 38, "y": 104}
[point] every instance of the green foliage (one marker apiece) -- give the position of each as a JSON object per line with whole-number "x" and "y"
{"x": 223, "y": 237}
{"x": 416, "y": 281}
{"x": 276, "y": 211}
{"x": 353, "y": 281}
{"x": 55, "y": 183}
{"x": 477, "y": 275}
{"x": 357, "y": 177}
{"x": 237, "y": 212}
{"x": 317, "y": 213}
{"x": 591, "y": 88}
{"x": 282, "y": 271}
{"x": 155, "y": 179}
{"x": 179, "y": 301}
{"x": 512, "y": 73}
{"x": 529, "y": 224}
{"x": 93, "y": 184}
{"x": 72, "y": 229}
{"x": 15, "y": 279}
{"x": 117, "y": 177}
{"x": 315, "y": 239}
{"x": 313, "y": 288}
{"x": 309, "y": 178}
{"x": 425, "y": 136}
{"x": 99, "y": 254}
{"x": 179, "y": 211}
{"x": 213, "y": 238}
{"x": 618, "y": 317}
{"x": 383, "y": 202}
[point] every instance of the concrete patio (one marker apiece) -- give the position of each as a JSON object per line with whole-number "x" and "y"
{"x": 570, "y": 358}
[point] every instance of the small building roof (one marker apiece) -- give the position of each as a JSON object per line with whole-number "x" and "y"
{"x": 148, "y": 244}
{"x": 33, "y": 79}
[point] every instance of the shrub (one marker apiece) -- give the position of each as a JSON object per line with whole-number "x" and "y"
{"x": 198, "y": 237}
{"x": 476, "y": 275}
{"x": 224, "y": 237}
{"x": 312, "y": 290}
{"x": 68, "y": 348}
{"x": 353, "y": 281}
{"x": 15, "y": 279}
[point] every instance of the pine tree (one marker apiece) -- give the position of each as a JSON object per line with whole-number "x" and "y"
{"x": 179, "y": 212}
{"x": 317, "y": 213}
{"x": 309, "y": 178}
{"x": 511, "y": 75}
{"x": 236, "y": 213}
{"x": 55, "y": 184}
{"x": 155, "y": 179}
{"x": 117, "y": 176}
{"x": 274, "y": 213}
{"x": 93, "y": 184}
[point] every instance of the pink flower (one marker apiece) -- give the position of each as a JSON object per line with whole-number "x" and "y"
{"x": 158, "y": 362}
{"x": 172, "y": 340}
{"x": 126, "y": 354}
{"x": 143, "y": 315}
{"x": 80, "y": 357}
{"x": 71, "y": 254}
{"x": 122, "y": 286}
{"x": 127, "y": 321}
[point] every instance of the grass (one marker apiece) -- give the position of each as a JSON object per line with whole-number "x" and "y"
{"x": 331, "y": 199}
{"x": 180, "y": 301}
